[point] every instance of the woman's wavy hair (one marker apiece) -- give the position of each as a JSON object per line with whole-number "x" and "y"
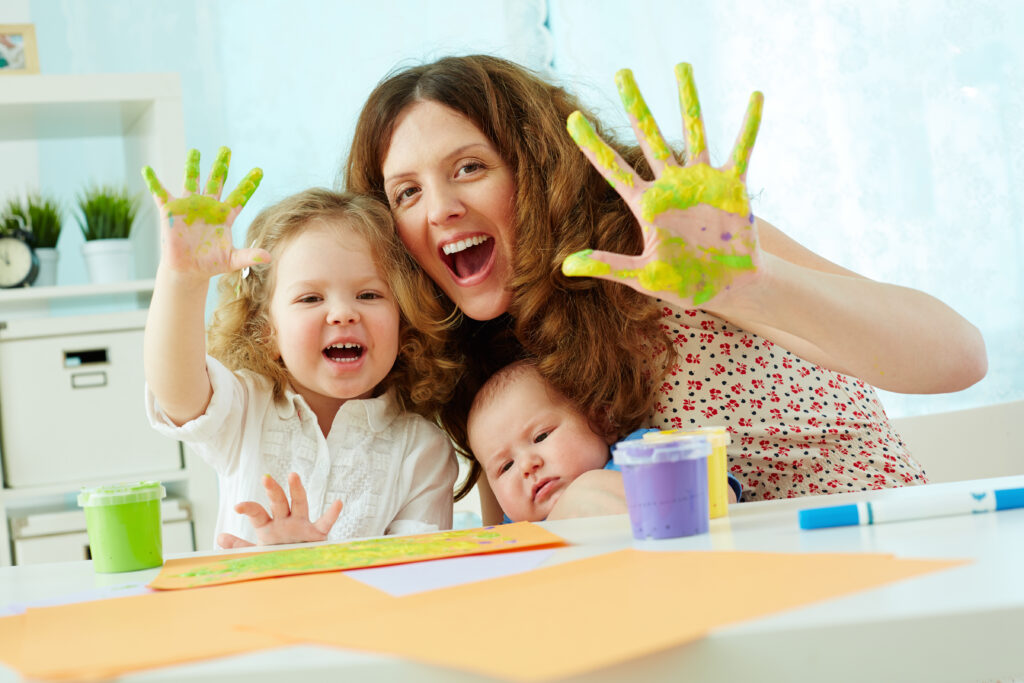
{"x": 600, "y": 344}
{"x": 240, "y": 332}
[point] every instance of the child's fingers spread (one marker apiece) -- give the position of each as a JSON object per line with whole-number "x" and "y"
{"x": 257, "y": 515}
{"x": 300, "y": 507}
{"x": 327, "y": 520}
{"x": 192, "y": 172}
{"x": 245, "y": 189}
{"x": 278, "y": 501}
{"x": 228, "y": 541}
{"x": 153, "y": 185}
{"x": 218, "y": 173}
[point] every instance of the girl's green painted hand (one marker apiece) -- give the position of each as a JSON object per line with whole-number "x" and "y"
{"x": 699, "y": 234}
{"x": 195, "y": 230}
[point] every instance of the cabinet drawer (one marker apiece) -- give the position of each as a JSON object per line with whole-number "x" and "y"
{"x": 71, "y": 409}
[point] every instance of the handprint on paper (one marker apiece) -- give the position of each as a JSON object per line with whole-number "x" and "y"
{"x": 699, "y": 234}
{"x": 196, "y": 228}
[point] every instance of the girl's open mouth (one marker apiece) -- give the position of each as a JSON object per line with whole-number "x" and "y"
{"x": 468, "y": 257}
{"x": 344, "y": 353}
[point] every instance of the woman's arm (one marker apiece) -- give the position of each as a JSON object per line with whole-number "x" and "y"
{"x": 895, "y": 338}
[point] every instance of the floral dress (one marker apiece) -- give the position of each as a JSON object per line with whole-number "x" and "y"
{"x": 797, "y": 429}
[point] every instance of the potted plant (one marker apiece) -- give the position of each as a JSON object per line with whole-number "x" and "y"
{"x": 39, "y": 215}
{"x": 107, "y": 215}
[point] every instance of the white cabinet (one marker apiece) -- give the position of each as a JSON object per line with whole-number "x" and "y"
{"x": 71, "y": 401}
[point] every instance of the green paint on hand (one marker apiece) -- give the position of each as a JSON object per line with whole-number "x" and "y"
{"x": 153, "y": 184}
{"x": 219, "y": 171}
{"x": 636, "y": 107}
{"x": 192, "y": 171}
{"x": 245, "y": 189}
{"x": 586, "y": 137}
{"x": 689, "y": 104}
{"x": 686, "y": 186}
{"x": 199, "y": 207}
{"x": 581, "y": 264}
{"x": 745, "y": 143}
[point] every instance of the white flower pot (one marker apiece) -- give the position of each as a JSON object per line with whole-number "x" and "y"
{"x": 109, "y": 260}
{"x": 47, "y": 276}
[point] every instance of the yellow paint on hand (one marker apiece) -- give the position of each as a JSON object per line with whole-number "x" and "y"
{"x": 192, "y": 171}
{"x": 686, "y": 186}
{"x": 586, "y": 137}
{"x": 219, "y": 171}
{"x": 153, "y": 184}
{"x": 581, "y": 264}
{"x": 689, "y": 104}
{"x": 245, "y": 189}
{"x": 636, "y": 107}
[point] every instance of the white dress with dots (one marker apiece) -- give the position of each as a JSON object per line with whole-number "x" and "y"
{"x": 797, "y": 429}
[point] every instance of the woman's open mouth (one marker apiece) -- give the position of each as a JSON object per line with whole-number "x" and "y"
{"x": 344, "y": 353}
{"x": 469, "y": 259}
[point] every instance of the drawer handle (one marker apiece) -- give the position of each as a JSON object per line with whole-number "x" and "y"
{"x": 75, "y": 359}
{"x": 86, "y": 380}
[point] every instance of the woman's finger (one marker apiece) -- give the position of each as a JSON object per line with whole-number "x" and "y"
{"x": 605, "y": 159}
{"x": 693, "y": 122}
{"x": 645, "y": 127}
{"x": 192, "y": 172}
{"x": 218, "y": 173}
{"x": 740, "y": 157}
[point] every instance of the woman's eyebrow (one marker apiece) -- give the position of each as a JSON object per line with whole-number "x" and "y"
{"x": 458, "y": 151}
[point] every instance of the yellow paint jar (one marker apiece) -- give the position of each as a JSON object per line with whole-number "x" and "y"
{"x": 718, "y": 462}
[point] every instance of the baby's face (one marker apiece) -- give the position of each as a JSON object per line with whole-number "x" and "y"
{"x": 532, "y": 443}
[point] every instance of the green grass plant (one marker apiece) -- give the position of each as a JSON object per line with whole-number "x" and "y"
{"x": 38, "y": 214}
{"x": 106, "y": 213}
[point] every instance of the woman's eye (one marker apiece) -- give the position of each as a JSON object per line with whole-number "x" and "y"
{"x": 540, "y": 437}
{"x": 469, "y": 167}
{"x": 405, "y": 193}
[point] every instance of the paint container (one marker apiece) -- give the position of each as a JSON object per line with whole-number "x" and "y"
{"x": 666, "y": 486}
{"x": 123, "y": 522}
{"x": 718, "y": 462}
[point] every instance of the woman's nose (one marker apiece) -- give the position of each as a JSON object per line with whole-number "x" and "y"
{"x": 444, "y": 206}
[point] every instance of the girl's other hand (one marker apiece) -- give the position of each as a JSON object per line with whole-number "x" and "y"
{"x": 283, "y": 524}
{"x": 195, "y": 230}
{"x": 699, "y": 234}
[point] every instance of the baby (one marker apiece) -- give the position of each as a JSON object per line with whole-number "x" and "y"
{"x": 541, "y": 456}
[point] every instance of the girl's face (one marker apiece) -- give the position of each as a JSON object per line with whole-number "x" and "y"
{"x": 452, "y": 196}
{"x": 333, "y": 317}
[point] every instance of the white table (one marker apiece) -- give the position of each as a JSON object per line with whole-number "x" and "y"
{"x": 962, "y": 624}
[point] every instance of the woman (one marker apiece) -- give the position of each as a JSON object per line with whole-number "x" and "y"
{"x": 490, "y": 196}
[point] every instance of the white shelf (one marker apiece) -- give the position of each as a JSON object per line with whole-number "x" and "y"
{"x": 63, "y": 292}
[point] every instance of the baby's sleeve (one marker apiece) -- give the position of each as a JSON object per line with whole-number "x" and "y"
{"x": 216, "y": 435}
{"x": 428, "y": 475}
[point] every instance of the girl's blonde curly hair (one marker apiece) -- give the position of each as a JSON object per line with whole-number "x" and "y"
{"x": 240, "y": 335}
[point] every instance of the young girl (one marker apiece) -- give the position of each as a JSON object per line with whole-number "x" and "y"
{"x": 311, "y": 367}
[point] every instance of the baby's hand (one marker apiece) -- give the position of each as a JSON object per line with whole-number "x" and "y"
{"x": 283, "y": 525}
{"x": 195, "y": 230}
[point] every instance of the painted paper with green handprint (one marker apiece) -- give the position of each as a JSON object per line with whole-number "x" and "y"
{"x": 699, "y": 233}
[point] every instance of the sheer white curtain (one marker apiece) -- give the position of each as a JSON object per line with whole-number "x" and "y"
{"x": 891, "y": 139}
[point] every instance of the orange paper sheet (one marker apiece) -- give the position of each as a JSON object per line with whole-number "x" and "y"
{"x": 374, "y": 552}
{"x": 105, "y": 638}
{"x": 581, "y": 616}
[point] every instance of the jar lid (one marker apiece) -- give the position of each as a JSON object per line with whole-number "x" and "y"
{"x": 643, "y": 452}
{"x": 118, "y": 494}
{"x": 718, "y": 436}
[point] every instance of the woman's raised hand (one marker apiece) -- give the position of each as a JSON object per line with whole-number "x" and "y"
{"x": 699, "y": 234}
{"x": 195, "y": 230}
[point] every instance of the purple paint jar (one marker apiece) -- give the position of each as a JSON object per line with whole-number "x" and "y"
{"x": 666, "y": 486}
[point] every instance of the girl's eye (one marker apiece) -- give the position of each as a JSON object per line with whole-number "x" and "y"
{"x": 309, "y": 299}
{"x": 540, "y": 437}
{"x": 369, "y": 296}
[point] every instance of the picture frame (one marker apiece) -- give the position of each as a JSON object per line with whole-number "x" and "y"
{"x": 18, "y": 51}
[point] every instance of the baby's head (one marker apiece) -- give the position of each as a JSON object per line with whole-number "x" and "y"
{"x": 330, "y": 312}
{"x": 531, "y": 441}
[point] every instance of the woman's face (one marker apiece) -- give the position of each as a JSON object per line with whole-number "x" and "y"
{"x": 452, "y": 196}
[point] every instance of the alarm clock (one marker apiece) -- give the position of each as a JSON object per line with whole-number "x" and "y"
{"x": 19, "y": 264}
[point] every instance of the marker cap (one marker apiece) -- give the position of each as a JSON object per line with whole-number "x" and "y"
{"x": 838, "y": 515}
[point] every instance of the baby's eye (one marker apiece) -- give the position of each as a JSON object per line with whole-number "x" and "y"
{"x": 505, "y": 467}
{"x": 540, "y": 437}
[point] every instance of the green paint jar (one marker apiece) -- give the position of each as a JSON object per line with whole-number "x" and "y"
{"x": 123, "y": 521}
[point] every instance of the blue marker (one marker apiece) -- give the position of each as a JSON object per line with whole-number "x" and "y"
{"x": 941, "y": 504}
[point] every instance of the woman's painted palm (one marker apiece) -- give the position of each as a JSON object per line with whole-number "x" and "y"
{"x": 195, "y": 230}
{"x": 699, "y": 234}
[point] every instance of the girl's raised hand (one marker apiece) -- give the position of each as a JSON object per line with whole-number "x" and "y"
{"x": 699, "y": 234}
{"x": 195, "y": 230}
{"x": 284, "y": 523}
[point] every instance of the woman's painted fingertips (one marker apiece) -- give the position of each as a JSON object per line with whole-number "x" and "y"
{"x": 153, "y": 185}
{"x": 581, "y": 264}
{"x": 637, "y": 108}
{"x": 584, "y": 135}
{"x": 192, "y": 171}
{"x": 748, "y": 135}
{"x": 689, "y": 104}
